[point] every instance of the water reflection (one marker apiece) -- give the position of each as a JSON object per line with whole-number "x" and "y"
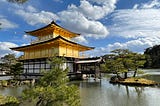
{"x": 153, "y": 77}
{"x": 106, "y": 94}
{"x": 12, "y": 91}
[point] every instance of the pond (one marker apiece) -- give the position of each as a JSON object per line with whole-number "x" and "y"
{"x": 102, "y": 93}
{"x": 105, "y": 94}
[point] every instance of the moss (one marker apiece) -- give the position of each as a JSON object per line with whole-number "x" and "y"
{"x": 138, "y": 81}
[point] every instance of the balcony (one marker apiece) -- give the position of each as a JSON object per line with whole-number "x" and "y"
{"x": 48, "y": 38}
{"x": 83, "y": 55}
{"x": 38, "y": 41}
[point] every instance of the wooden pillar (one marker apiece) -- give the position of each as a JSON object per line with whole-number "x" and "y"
{"x": 74, "y": 67}
{"x": 95, "y": 70}
{"x": 99, "y": 71}
{"x": 80, "y": 66}
{"x": 33, "y": 65}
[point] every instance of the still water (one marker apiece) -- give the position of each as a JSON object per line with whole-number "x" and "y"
{"x": 102, "y": 93}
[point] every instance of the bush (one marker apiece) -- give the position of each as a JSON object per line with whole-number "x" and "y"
{"x": 8, "y": 101}
{"x": 4, "y": 83}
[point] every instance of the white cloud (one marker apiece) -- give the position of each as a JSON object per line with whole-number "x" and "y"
{"x": 31, "y": 9}
{"x": 140, "y": 22}
{"x": 83, "y": 25}
{"x": 85, "y": 17}
{"x": 34, "y": 17}
{"x": 140, "y": 26}
{"x": 30, "y": 14}
{"x": 93, "y": 11}
{"x": 6, "y": 24}
{"x": 151, "y": 4}
{"x": 60, "y": 1}
{"x": 3, "y": 1}
{"x": 25, "y": 44}
{"x": 136, "y": 45}
{"x": 80, "y": 39}
{"x": 135, "y": 23}
{"x": 28, "y": 38}
{"x": 5, "y": 48}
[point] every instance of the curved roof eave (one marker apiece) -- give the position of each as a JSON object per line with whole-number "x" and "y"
{"x": 49, "y": 25}
{"x": 58, "y": 37}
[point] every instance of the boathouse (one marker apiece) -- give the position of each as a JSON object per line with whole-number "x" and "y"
{"x": 51, "y": 39}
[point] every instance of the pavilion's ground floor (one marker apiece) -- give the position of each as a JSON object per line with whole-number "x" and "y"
{"x": 42, "y": 64}
{"x": 77, "y": 67}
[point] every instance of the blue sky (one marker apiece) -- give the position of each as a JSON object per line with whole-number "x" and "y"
{"x": 103, "y": 24}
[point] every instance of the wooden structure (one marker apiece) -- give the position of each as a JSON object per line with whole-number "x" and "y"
{"x": 89, "y": 66}
{"x": 51, "y": 39}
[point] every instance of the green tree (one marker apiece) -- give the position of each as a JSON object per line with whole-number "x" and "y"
{"x": 53, "y": 89}
{"x": 123, "y": 61}
{"x": 153, "y": 57}
{"x": 7, "y": 61}
{"x": 138, "y": 60}
{"x": 148, "y": 63}
{"x": 124, "y": 55}
{"x": 113, "y": 64}
{"x": 16, "y": 70}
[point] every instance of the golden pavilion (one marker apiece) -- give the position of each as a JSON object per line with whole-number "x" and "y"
{"x": 50, "y": 40}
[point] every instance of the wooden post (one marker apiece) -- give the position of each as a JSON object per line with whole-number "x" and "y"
{"x": 99, "y": 71}
{"x": 95, "y": 70}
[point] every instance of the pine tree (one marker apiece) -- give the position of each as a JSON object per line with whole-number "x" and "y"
{"x": 53, "y": 88}
{"x": 123, "y": 61}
